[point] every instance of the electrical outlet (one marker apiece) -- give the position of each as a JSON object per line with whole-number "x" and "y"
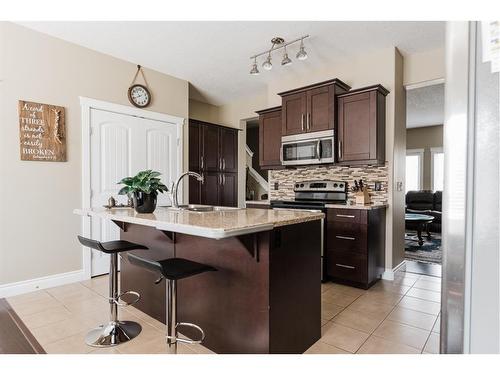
{"x": 399, "y": 186}
{"x": 378, "y": 186}
{"x": 276, "y": 185}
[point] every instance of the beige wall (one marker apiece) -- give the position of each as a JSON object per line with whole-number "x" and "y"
{"x": 203, "y": 111}
{"x": 399, "y": 163}
{"x": 37, "y": 227}
{"x": 424, "y": 66}
{"x": 425, "y": 138}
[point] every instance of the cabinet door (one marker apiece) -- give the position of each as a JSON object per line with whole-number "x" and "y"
{"x": 293, "y": 112}
{"x": 210, "y": 189}
{"x": 270, "y": 139}
{"x": 194, "y": 190}
{"x": 357, "y": 133}
{"x": 229, "y": 189}
{"x": 320, "y": 109}
{"x": 211, "y": 147}
{"x": 229, "y": 149}
{"x": 195, "y": 145}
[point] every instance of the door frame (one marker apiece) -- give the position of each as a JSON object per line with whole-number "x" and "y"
{"x": 88, "y": 104}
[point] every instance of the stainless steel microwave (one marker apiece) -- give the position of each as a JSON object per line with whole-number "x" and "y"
{"x": 308, "y": 148}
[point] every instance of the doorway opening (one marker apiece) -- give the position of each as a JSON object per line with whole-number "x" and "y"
{"x": 256, "y": 179}
{"x": 424, "y": 177}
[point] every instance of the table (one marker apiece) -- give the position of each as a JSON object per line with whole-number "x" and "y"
{"x": 421, "y": 221}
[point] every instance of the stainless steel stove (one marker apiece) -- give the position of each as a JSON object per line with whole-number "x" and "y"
{"x": 314, "y": 196}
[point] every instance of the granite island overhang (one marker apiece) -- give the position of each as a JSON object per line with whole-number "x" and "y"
{"x": 266, "y": 294}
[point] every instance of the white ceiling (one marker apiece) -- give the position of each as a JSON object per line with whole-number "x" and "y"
{"x": 214, "y": 56}
{"x": 425, "y": 106}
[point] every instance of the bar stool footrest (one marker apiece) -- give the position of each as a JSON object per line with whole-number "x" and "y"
{"x": 124, "y": 304}
{"x": 188, "y": 341}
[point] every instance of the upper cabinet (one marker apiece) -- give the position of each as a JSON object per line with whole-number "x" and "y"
{"x": 311, "y": 108}
{"x": 361, "y": 126}
{"x": 269, "y": 137}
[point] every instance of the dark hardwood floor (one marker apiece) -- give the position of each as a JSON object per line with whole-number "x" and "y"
{"x": 15, "y": 338}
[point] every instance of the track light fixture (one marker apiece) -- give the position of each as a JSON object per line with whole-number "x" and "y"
{"x": 255, "y": 70}
{"x": 278, "y": 43}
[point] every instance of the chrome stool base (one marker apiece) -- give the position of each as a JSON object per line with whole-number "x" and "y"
{"x": 112, "y": 334}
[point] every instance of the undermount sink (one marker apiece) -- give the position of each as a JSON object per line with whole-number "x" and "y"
{"x": 201, "y": 208}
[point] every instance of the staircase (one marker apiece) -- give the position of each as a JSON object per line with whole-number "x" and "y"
{"x": 255, "y": 181}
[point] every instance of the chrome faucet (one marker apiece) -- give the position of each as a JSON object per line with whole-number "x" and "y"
{"x": 175, "y": 187}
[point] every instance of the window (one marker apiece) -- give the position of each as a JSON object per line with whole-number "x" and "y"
{"x": 414, "y": 169}
{"x": 437, "y": 168}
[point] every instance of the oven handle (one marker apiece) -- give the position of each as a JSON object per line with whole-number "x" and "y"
{"x": 318, "y": 149}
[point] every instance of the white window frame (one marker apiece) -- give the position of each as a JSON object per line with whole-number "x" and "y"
{"x": 420, "y": 153}
{"x": 434, "y": 150}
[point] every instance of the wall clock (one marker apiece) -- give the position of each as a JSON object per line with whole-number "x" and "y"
{"x": 139, "y": 95}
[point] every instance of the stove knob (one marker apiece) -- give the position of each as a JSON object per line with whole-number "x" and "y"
{"x": 341, "y": 186}
{"x": 301, "y": 185}
{"x": 296, "y": 185}
{"x": 335, "y": 185}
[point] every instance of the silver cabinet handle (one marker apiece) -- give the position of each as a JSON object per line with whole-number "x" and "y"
{"x": 220, "y": 163}
{"x": 308, "y": 121}
{"x": 223, "y": 179}
{"x": 340, "y": 149}
{"x": 349, "y": 216}
{"x": 224, "y": 164}
{"x": 202, "y": 162}
{"x": 344, "y": 266}
{"x": 318, "y": 149}
{"x": 346, "y": 238}
{"x": 302, "y": 122}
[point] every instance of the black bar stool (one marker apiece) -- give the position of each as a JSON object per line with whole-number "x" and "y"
{"x": 173, "y": 269}
{"x": 114, "y": 332}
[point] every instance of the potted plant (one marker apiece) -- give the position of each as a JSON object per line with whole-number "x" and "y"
{"x": 143, "y": 188}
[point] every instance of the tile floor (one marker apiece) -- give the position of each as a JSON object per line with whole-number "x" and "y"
{"x": 400, "y": 316}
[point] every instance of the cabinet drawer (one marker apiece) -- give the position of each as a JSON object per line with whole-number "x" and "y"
{"x": 346, "y": 237}
{"x": 347, "y": 215}
{"x": 347, "y": 266}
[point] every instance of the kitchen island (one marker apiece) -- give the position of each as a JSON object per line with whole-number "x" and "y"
{"x": 265, "y": 296}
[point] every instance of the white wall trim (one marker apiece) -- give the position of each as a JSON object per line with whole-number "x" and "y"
{"x": 249, "y": 152}
{"x": 389, "y": 273}
{"x": 87, "y": 104}
{"x": 418, "y": 85}
{"x": 27, "y": 286}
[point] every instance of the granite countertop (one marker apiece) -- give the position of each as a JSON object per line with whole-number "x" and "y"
{"x": 357, "y": 207}
{"x": 213, "y": 224}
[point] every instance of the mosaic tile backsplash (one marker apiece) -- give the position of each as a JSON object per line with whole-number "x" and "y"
{"x": 286, "y": 178}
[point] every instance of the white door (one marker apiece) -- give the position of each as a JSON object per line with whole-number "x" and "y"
{"x": 121, "y": 146}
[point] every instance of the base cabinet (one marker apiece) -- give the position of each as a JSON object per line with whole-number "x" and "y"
{"x": 355, "y": 246}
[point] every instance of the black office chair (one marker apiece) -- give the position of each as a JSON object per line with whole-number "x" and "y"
{"x": 114, "y": 332}
{"x": 173, "y": 269}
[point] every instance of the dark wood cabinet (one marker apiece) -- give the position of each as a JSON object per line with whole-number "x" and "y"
{"x": 355, "y": 245}
{"x": 228, "y": 139}
{"x": 311, "y": 108}
{"x": 213, "y": 152}
{"x": 361, "y": 126}
{"x": 270, "y": 138}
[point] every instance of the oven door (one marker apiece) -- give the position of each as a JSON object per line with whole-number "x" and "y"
{"x": 309, "y": 151}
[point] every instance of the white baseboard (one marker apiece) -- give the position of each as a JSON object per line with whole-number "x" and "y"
{"x": 27, "y": 286}
{"x": 389, "y": 273}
